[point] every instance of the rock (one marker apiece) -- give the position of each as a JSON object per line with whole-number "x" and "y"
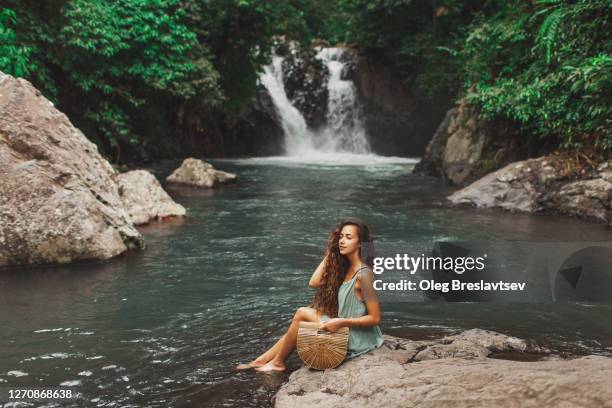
{"x": 590, "y": 198}
{"x": 460, "y": 377}
{"x": 476, "y": 343}
{"x": 431, "y": 162}
{"x": 58, "y": 200}
{"x": 198, "y": 173}
{"x": 541, "y": 185}
{"x": 256, "y": 132}
{"x": 305, "y": 79}
{"x": 465, "y": 147}
{"x": 144, "y": 198}
{"x": 511, "y": 188}
{"x": 397, "y": 122}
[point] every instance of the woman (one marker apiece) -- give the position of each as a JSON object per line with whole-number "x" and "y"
{"x": 345, "y": 297}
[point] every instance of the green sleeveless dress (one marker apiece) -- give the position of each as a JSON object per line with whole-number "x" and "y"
{"x": 361, "y": 339}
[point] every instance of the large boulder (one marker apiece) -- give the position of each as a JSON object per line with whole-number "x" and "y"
{"x": 543, "y": 184}
{"x": 589, "y": 198}
{"x": 514, "y": 187}
{"x": 466, "y": 139}
{"x": 452, "y": 372}
{"x": 198, "y": 173}
{"x": 466, "y": 147}
{"x": 58, "y": 200}
{"x": 145, "y": 199}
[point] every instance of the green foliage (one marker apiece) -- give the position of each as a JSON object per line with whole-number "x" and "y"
{"x": 547, "y": 68}
{"x": 547, "y": 34}
{"x": 127, "y": 71}
{"x": 543, "y": 65}
{"x": 419, "y": 39}
{"x": 14, "y": 58}
{"x": 125, "y": 54}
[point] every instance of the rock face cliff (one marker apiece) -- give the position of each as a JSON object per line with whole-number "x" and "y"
{"x": 397, "y": 123}
{"x": 464, "y": 147}
{"x": 58, "y": 198}
{"x": 254, "y": 131}
{"x": 305, "y": 79}
{"x": 455, "y": 371}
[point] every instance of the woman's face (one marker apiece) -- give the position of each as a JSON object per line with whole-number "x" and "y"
{"x": 348, "y": 241}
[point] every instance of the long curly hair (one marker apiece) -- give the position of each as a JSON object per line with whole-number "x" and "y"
{"x": 336, "y": 266}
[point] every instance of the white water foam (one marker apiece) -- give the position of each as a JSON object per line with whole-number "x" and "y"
{"x": 344, "y": 132}
{"x": 298, "y": 138}
{"x": 326, "y": 159}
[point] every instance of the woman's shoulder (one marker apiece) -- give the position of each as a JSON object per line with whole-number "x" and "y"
{"x": 365, "y": 271}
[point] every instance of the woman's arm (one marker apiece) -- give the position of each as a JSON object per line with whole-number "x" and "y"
{"x": 371, "y": 319}
{"x": 317, "y": 276}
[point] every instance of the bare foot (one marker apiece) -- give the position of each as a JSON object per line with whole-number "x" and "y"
{"x": 252, "y": 364}
{"x": 271, "y": 366}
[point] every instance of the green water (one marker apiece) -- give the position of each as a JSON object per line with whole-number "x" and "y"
{"x": 164, "y": 327}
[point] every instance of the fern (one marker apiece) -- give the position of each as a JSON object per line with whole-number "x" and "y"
{"x": 548, "y": 31}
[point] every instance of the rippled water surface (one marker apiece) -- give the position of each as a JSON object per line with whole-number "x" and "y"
{"x": 165, "y": 326}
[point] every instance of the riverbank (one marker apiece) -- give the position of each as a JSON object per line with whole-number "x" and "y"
{"x": 490, "y": 166}
{"x": 470, "y": 369}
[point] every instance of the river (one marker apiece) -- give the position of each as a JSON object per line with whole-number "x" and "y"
{"x": 165, "y": 326}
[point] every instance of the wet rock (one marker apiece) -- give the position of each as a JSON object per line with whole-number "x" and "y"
{"x": 462, "y": 376}
{"x": 144, "y": 198}
{"x": 305, "y": 78}
{"x": 476, "y": 343}
{"x": 58, "y": 200}
{"x": 542, "y": 184}
{"x": 198, "y": 173}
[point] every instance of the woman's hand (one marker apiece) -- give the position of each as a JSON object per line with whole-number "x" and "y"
{"x": 333, "y": 325}
{"x": 317, "y": 276}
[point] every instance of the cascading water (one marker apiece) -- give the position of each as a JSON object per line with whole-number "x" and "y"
{"x": 298, "y": 139}
{"x": 344, "y": 131}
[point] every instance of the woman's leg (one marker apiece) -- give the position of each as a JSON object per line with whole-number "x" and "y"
{"x": 264, "y": 358}
{"x": 272, "y": 351}
{"x": 307, "y": 314}
{"x": 287, "y": 343}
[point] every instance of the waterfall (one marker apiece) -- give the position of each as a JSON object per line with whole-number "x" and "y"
{"x": 344, "y": 131}
{"x": 298, "y": 139}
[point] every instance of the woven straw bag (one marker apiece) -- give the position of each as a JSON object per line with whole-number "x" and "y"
{"x": 319, "y": 348}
